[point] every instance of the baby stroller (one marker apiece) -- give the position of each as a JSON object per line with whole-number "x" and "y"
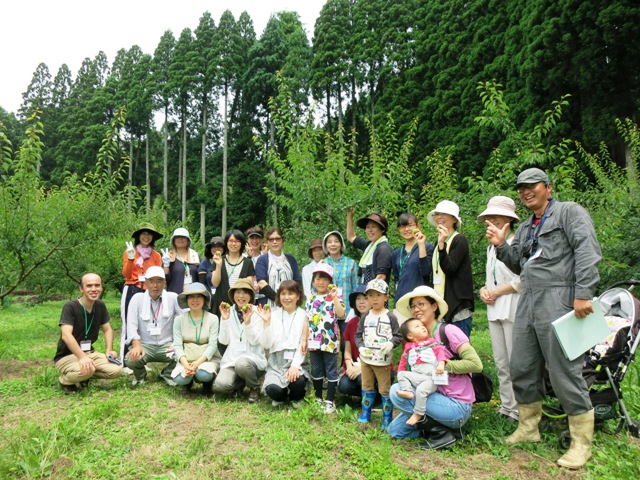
{"x": 606, "y": 364}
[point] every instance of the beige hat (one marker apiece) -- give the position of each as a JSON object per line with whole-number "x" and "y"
{"x": 445, "y": 206}
{"x": 194, "y": 289}
{"x": 422, "y": 291}
{"x": 499, "y": 205}
{"x": 243, "y": 284}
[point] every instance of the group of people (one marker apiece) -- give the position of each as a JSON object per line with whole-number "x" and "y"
{"x": 247, "y": 316}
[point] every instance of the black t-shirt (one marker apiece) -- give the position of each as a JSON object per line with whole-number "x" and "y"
{"x": 73, "y": 314}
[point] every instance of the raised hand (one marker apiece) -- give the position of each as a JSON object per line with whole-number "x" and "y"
{"x": 166, "y": 258}
{"x": 496, "y": 235}
{"x": 131, "y": 253}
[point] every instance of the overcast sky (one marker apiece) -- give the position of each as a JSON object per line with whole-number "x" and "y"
{"x": 68, "y": 31}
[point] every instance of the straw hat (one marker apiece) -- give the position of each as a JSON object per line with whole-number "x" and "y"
{"x": 422, "y": 291}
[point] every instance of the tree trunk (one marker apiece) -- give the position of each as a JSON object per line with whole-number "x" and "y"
{"x": 184, "y": 165}
{"x": 147, "y": 173}
{"x": 225, "y": 153}
{"x": 130, "y": 179}
{"x": 353, "y": 115}
{"x": 272, "y": 140}
{"x": 203, "y": 169}
{"x": 329, "y": 110}
{"x": 165, "y": 173}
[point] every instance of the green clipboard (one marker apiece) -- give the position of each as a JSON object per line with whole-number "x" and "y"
{"x": 578, "y": 335}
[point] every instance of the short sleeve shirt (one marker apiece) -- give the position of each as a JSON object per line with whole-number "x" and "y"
{"x": 73, "y": 313}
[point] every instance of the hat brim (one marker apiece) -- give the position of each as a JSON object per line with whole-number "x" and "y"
{"x": 324, "y": 242}
{"x": 362, "y": 223}
{"x": 423, "y": 291}
{"x": 233, "y": 289}
{"x": 502, "y": 212}
{"x": 154, "y": 234}
{"x": 182, "y": 298}
{"x": 431, "y": 217}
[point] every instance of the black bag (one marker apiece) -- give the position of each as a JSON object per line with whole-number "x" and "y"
{"x": 482, "y": 383}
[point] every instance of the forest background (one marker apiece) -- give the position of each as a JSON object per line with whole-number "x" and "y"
{"x": 391, "y": 106}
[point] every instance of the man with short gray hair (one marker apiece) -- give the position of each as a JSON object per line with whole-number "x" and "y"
{"x": 150, "y": 327}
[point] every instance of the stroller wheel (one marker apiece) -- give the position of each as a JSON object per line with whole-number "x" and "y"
{"x": 564, "y": 440}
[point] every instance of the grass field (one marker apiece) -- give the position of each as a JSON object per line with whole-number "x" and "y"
{"x": 112, "y": 430}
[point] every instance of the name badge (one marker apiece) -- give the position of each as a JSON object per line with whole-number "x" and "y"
{"x": 241, "y": 347}
{"x": 187, "y": 279}
{"x": 141, "y": 278}
{"x": 314, "y": 344}
{"x": 85, "y": 345}
{"x": 155, "y": 330}
{"x": 288, "y": 354}
{"x": 437, "y": 280}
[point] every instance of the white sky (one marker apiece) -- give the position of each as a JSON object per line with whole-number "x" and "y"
{"x": 68, "y": 31}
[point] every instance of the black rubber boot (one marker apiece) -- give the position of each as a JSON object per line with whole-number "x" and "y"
{"x": 436, "y": 435}
{"x": 207, "y": 388}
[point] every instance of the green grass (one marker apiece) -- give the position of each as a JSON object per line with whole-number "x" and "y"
{"x": 115, "y": 431}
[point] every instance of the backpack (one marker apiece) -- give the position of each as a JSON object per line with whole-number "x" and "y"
{"x": 482, "y": 383}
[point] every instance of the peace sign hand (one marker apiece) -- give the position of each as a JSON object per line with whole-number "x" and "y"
{"x": 131, "y": 253}
{"x": 166, "y": 259}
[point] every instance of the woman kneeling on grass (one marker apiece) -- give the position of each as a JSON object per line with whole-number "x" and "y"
{"x": 285, "y": 337}
{"x": 449, "y": 408}
{"x": 243, "y": 362}
{"x": 195, "y": 340}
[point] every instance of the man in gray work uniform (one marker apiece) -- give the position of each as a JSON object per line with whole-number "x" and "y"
{"x": 556, "y": 253}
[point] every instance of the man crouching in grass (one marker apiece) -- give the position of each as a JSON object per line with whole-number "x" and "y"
{"x": 80, "y": 324}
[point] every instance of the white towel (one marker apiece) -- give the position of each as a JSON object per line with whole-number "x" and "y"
{"x": 145, "y": 313}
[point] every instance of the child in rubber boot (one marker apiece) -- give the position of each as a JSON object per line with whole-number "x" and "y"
{"x": 323, "y": 310}
{"x": 422, "y": 356}
{"x": 378, "y": 333}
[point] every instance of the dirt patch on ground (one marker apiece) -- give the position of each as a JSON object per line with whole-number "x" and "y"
{"x": 21, "y": 369}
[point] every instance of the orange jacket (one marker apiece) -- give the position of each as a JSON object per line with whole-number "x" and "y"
{"x": 131, "y": 271}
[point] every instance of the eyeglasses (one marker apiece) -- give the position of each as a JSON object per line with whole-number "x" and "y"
{"x": 526, "y": 186}
{"x": 233, "y": 240}
{"x": 408, "y": 225}
{"x": 274, "y": 239}
{"x": 419, "y": 305}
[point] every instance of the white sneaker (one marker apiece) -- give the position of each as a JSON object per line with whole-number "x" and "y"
{"x": 296, "y": 405}
{"x": 127, "y": 371}
{"x": 329, "y": 407}
{"x": 276, "y": 403}
{"x": 137, "y": 382}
